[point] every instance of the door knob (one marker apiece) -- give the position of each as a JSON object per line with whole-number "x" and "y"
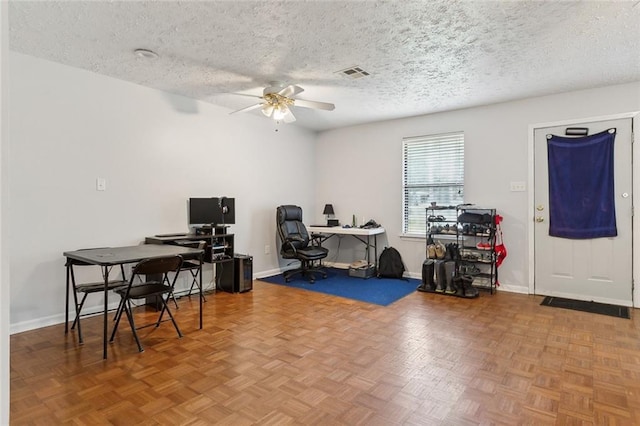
{"x": 539, "y": 219}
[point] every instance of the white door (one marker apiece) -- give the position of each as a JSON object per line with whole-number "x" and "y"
{"x": 598, "y": 269}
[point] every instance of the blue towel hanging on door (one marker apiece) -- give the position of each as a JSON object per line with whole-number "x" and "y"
{"x": 581, "y": 187}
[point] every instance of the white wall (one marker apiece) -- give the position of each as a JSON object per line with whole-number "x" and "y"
{"x": 155, "y": 150}
{"x": 359, "y": 168}
{"x": 4, "y": 253}
{"x": 68, "y": 127}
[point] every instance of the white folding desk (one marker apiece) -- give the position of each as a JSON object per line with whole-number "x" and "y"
{"x": 362, "y": 234}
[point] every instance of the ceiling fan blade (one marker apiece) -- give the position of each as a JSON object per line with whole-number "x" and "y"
{"x": 249, "y": 108}
{"x": 246, "y": 94}
{"x": 289, "y": 117}
{"x": 314, "y": 104}
{"x": 290, "y": 90}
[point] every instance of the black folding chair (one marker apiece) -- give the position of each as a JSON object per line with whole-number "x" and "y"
{"x": 194, "y": 268}
{"x": 161, "y": 289}
{"x": 86, "y": 289}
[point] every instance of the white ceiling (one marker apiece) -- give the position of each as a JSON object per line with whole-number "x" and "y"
{"x": 423, "y": 56}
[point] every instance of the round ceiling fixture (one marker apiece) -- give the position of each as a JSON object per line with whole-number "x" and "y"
{"x": 145, "y": 53}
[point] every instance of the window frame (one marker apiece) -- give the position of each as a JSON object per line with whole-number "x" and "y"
{"x": 452, "y": 145}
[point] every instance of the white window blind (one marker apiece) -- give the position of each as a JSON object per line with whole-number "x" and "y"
{"x": 433, "y": 171}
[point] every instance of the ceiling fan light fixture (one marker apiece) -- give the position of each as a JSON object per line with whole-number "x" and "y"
{"x": 278, "y": 105}
{"x": 279, "y": 112}
{"x": 267, "y": 110}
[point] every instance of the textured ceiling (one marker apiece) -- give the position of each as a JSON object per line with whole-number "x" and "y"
{"x": 423, "y": 56}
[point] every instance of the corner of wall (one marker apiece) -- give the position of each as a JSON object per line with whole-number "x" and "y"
{"x": 4, "y": 263}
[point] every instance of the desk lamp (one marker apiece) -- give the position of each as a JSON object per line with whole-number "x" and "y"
{"x": 328, "y": 210}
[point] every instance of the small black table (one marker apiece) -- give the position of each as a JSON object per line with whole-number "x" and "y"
{"x": 132, "y": 254}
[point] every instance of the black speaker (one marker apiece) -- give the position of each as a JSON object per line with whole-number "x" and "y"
{"x": 236, "y": 276}
{"x": 225, "y": 276}
{"x": 243, "y": 272}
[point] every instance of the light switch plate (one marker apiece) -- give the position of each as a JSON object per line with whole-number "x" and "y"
{"x": 101, "y": 184}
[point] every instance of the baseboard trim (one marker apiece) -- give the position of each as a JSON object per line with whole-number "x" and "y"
{"x": 55, "y": 320}
{"x": 513, "y": 288}
{"x": 59, "y": 318}
{"x": 267, "y": 273}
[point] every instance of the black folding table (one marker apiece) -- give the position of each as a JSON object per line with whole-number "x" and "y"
{"x": 122, "y": 255}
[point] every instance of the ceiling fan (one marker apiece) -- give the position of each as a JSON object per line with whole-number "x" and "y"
{"x": 277, "y": 100}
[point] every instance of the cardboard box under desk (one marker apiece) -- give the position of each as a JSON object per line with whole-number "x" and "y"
{"x": 363, "y": 272}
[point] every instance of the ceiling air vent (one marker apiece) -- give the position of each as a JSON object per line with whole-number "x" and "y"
{"x": 353, "y": 73}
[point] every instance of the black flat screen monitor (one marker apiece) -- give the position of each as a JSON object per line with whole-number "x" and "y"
{"x": 203, "y": 211}
{"x": 209, "y": 211}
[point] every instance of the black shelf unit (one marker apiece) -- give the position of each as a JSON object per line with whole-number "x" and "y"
{"x": 219, "y": 249}
{"x": 477, "y": 245}
{"x": 470, "y": 233}
{"x": 219, "y": 242}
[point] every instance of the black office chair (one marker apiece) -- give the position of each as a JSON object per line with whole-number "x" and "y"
{"x": 146, "y": 289}
{"x": 85, "y": 289}
{"x": 296, "y": 244}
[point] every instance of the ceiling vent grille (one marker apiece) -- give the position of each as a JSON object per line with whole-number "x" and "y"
{"x": 353, "y": 73}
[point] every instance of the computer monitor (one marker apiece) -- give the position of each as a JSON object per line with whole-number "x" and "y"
{"x": 209, "y": 211}
{"x": 203, "y": 211}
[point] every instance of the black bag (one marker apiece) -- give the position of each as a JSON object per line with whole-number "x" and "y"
{"x": 390, "y": 264}
{"x": 467, "y": 217}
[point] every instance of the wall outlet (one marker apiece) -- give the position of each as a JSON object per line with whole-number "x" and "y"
{"x": 518, "y": 186}
{"x": 267, "y": 249}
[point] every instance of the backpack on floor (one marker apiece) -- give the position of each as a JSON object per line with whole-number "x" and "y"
{"x": 390, "y": 264}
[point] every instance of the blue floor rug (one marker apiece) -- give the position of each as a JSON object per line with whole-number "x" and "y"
{"x": 379, "y": 291}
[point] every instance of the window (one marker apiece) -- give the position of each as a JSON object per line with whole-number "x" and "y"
{"x": 433, "y": 171}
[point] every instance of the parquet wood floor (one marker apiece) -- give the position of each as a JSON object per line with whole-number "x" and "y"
{"x": 280, "y": 356}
